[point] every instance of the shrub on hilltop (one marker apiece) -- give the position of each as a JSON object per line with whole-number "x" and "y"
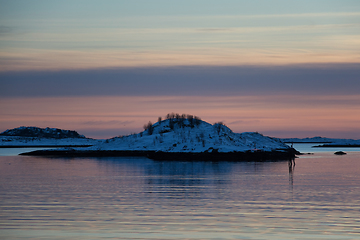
{"x": 180, "y": 119}
{"x": 175, "y": 119}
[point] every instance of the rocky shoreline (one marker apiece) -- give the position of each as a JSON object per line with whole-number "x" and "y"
{"x": 260, "y": 156}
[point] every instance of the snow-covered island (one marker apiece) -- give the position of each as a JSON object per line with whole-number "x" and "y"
{"x": 43, "y": 137}
{"x": 186, "y": 138}
{"x": 325, "y": 142}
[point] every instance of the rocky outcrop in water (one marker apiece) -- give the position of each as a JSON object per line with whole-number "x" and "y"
{"x": 36, "y": 132}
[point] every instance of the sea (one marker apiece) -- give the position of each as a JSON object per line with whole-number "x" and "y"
{"x": 318, "y": 197}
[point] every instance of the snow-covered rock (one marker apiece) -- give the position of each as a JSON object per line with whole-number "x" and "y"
{"x": 190, "y": 135}
{"x": 34, "y": 136}
{"x": 41, "y": 133}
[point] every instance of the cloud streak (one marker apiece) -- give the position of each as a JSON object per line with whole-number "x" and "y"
{"x": 338, "y": 79}
{"x": 297, "y": 15}
{"x": 112, "y": 122}
{"x": 28, "y": 60}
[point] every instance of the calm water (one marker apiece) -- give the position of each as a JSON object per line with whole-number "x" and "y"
{"x": 137, "y": 198}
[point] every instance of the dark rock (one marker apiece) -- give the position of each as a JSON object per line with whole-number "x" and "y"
{"x": 276, "y": 155}
{"x": 340, "y": 153}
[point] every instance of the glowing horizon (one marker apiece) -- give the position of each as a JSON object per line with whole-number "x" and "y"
{"x": 271, "y": 115}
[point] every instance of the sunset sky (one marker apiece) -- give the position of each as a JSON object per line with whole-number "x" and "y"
{"x": 105, "y": 68}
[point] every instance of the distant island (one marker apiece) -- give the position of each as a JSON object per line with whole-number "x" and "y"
{"x": 326, "y": 142}
{"x": 185, "y": 137}
{"x": 43, "y": 137}
{"x": 36, "y": 132}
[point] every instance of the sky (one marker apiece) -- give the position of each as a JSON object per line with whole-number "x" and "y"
{"x": 105, "y": 68}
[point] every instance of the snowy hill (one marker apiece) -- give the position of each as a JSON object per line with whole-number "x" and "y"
{"x": 184, "y": 138}
{"x": 41, "y": 133}
{"x": 191, "y": 135}
{"x": 34, "y": 136}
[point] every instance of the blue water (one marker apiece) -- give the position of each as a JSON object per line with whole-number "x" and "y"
{"x": 137, "y": 198}
{"x": 16, "y": 151}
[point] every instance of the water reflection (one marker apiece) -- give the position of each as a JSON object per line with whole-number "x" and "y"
{"x": 184, "y": 168}
{"x": 291, "y": 165}
{"x": 137, "y": 198}
{"x": 203, "y": 173}
{"x": 194, "y": 180}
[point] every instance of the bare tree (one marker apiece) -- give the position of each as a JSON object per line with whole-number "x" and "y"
{"x": 149, "y": 127}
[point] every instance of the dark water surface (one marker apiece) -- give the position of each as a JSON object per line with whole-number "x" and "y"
{"x": 137, "y": 198}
